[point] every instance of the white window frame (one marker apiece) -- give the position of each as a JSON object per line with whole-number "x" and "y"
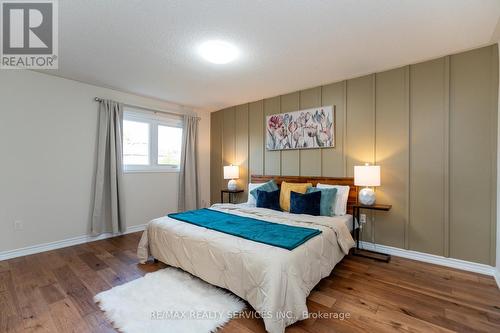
{"x": 153, "y": 120}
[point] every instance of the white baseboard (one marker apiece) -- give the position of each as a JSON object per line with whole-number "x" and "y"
{"x": 434, "y": 259}
{"x": 496, "y": 275}
{"x": 4, "y": 255}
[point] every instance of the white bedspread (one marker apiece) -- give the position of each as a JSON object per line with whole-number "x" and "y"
{"x": 274, "y": 281}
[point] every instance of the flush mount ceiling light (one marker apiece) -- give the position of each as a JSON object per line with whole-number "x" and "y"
{"x": 218, "y": 52}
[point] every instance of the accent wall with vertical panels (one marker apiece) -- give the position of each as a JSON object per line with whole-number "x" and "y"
{"x": 432, "y": 127}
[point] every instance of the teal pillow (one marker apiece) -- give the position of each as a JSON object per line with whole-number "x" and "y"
{"x": 327, "y": 199}
{"x": 268, "y": 187}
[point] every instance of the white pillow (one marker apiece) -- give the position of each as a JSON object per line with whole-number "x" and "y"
{"x": 341, "y": 198}
{"x": 251, "y": 200}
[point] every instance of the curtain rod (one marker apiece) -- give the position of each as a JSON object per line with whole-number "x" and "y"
{"x": 98, "y": 99}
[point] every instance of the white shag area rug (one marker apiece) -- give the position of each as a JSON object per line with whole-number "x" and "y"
{"x": 168, "y": 300}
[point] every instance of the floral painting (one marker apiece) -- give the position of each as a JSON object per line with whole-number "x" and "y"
{"x": 311, "y": 128}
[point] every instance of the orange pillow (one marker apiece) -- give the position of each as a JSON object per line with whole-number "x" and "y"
{"x": 286, "y": 188}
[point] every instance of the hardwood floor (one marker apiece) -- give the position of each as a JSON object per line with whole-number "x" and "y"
{"x": 52, "y": 292}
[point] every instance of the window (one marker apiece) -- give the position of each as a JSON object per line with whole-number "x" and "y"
{"x": 169, "y": 145}
{"x": 151, "y": 142}
{"x": 135, "y": 143}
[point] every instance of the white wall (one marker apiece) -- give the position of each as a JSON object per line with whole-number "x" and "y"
{"x": 48, "y": 135}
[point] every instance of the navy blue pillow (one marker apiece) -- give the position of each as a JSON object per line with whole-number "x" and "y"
{"x": 269, "y": 200}
{"x": 308, "y": 203}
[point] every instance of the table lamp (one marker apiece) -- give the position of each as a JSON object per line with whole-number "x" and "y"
{"x": 231, "y": 172}
{"x": 367, "y": 175}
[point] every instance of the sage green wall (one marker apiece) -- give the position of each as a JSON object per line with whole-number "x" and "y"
{"x": 432, "y": 128}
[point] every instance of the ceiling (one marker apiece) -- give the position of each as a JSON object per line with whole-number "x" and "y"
{"x": 150, "y": 47}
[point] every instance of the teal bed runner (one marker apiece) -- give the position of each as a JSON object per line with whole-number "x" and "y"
{"x": 275, "y": 234}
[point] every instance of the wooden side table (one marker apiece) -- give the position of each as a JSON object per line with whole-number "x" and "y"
{"x": 367, "y": 253}
{"x": 230, "y": 194}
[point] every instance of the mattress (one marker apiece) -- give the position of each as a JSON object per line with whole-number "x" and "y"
{"x": 347, "y": 220}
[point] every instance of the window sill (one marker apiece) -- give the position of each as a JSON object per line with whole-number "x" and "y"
{"x": 152, "y": 171}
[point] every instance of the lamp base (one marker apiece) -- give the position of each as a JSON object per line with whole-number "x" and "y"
{"x": 231, "y": 185}
{"x": 367, "y": 196}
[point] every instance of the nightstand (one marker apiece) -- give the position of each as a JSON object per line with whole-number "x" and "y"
{"x": 367, "y": 253}
{"x": 230, "y": 194}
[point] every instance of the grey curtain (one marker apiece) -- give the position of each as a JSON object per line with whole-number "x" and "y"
{"x": 107, "y": 215}
{"x": 189, "y": 197}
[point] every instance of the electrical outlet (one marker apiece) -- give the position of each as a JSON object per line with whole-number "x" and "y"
{"x": 362, "y": 218}
{"x": 18, "y": 225}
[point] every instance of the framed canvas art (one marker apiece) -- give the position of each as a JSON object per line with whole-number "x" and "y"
{"x": 303, "y": 129}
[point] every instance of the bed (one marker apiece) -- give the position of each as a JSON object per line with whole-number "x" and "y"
{"x": 273, "y": 280}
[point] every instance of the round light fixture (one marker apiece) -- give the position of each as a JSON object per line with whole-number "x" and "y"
{"x": 218, "y": 52}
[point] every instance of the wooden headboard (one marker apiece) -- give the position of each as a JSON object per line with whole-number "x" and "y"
{"x": 353, "y": 191}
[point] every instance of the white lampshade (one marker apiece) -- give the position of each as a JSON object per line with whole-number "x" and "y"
{"x": 367, "y": 175}
{"x": 231, "y": 172}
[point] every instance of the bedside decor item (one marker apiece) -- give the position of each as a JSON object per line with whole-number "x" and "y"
{"x": 231, "y": 172}
{"x": 368, "y": 253}
{"x": 367, "y": 175}
{"x": 311, "y": 128}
